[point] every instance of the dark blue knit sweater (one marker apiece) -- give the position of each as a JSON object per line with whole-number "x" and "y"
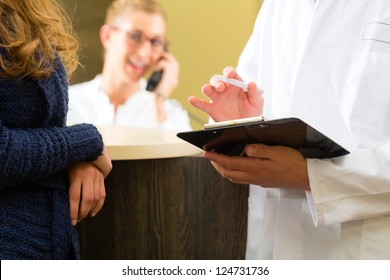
{"x": 35, "y": 149}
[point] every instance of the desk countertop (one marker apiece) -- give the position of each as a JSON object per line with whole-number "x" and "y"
{"x": 140, "y": 143}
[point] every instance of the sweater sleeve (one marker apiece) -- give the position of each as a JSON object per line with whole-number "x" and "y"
{"x": 29, "y": 154}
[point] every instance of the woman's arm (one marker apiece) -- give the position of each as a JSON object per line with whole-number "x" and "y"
{"x": 29, "y": 154}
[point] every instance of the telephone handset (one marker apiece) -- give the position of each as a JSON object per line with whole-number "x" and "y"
{"x": 155, "y": 77}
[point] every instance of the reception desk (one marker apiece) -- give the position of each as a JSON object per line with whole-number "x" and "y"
{"x": 164, "y": 201}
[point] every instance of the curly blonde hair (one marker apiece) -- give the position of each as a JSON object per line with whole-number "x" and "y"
{"x": 32, "y": 34}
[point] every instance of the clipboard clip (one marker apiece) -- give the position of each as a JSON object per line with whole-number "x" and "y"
{"x": 228, "y": 123}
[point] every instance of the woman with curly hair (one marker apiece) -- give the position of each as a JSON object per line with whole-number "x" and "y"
{"x": 51, "y": 175}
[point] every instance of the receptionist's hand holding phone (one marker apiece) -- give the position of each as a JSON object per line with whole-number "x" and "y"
{"x": 165, "y": 76}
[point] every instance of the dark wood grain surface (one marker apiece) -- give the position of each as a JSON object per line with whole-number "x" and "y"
{"x": 178, "y": 208}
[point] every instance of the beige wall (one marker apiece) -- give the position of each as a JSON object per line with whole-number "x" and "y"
{"x": 204, "y": 35}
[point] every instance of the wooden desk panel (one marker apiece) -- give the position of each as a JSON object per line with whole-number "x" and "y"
{"x": 176, "y": 208}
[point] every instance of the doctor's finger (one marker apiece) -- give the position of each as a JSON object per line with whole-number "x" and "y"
{"x": 231, "y": 73}
{"x": 201, "y": 104}
{"x": 217, "y": 85}
{"x": 228, "y": 162}
{"x": 255, "y": 94}
{"x": 209, "y": 91}
{"x": 234, "y": 176}
{"x": 259, "y": 151}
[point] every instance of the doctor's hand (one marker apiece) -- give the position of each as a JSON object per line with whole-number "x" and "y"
{"x": 267, "y": 166}
{"x": 227, "y": 102}
{"x": 87, "y": 191}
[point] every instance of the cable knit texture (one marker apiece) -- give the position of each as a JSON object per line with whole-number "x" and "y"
{"x": 35, "y": 149}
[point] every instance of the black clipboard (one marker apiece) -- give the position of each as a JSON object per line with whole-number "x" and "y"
{"x": 232, "y": 139}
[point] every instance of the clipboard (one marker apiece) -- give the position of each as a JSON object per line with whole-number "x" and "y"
{"x": 231, "y": 137}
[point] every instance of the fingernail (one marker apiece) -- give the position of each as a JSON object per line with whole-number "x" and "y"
{"x": 74, "y": 222}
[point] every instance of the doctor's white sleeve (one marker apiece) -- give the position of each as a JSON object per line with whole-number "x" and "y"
{"x": 352, "y": 187}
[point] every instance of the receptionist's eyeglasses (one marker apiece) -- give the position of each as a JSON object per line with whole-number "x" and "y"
{"x": 137, "y": 39}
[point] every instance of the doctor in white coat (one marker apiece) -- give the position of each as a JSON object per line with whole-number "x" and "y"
{"x": 328, "y": 63}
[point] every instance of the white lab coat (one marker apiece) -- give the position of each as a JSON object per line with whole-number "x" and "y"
{"x": 328, "y": 63}
{"x": 89, "y": 104}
